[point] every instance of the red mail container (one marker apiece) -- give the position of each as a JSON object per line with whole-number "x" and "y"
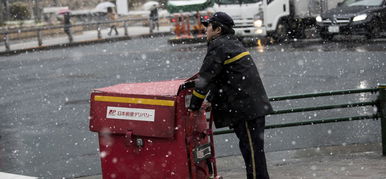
{"x": 146, "y": 132}
{"x": 129, "y": 107}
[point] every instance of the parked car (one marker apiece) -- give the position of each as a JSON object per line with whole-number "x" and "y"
{"x": 356, "y": 17}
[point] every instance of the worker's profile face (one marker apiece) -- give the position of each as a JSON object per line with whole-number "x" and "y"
{"x": 211, "y": 33}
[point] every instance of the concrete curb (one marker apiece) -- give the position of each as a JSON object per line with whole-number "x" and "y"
{"x": 263, "y": 42}
{"x": 85, "y": 42}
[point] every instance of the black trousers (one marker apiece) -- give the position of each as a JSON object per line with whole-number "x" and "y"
{"x": 251, "y": 143}
{"x": 111, "y": 29}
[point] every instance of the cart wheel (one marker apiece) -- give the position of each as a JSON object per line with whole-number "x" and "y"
{"x": 374, "y": 30}
{"x": 281, "y": 33}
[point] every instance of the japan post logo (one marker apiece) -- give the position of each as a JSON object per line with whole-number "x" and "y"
{"x": 135, "y": 114}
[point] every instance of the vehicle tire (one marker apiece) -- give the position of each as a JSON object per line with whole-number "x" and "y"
{"x": 281, "y": 33}
{"x": 374, "y": 30}
{"x": 299, "y": 31}
{"x": 326, "y": 37}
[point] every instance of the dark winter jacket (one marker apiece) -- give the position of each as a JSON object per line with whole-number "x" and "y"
{"x": 154, "y": 14}
{"x": 236, "y": 90}
{"x": 67, "y": 21}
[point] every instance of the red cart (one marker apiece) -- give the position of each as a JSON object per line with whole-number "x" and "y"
{"x": 146, "y": 132}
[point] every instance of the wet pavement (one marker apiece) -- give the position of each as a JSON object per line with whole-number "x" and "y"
{"x": 335, "y": 162}
{"x": 44, "y": 101}
{"x": 360, "y": 161}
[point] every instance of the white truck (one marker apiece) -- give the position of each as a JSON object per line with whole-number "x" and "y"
{"x": 246, "y": 16}
{"x": 245, "y": 13}
{"x": 283, "y": 19}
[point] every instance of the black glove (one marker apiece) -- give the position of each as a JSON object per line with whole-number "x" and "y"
{"x": 195, "y": 103}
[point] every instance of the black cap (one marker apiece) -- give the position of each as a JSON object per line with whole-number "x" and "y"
{"x": 220, "y": 17}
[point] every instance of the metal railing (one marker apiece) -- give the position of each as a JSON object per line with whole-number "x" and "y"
{"x": 379, "y": 103}
{"x": 95, "y": 25}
